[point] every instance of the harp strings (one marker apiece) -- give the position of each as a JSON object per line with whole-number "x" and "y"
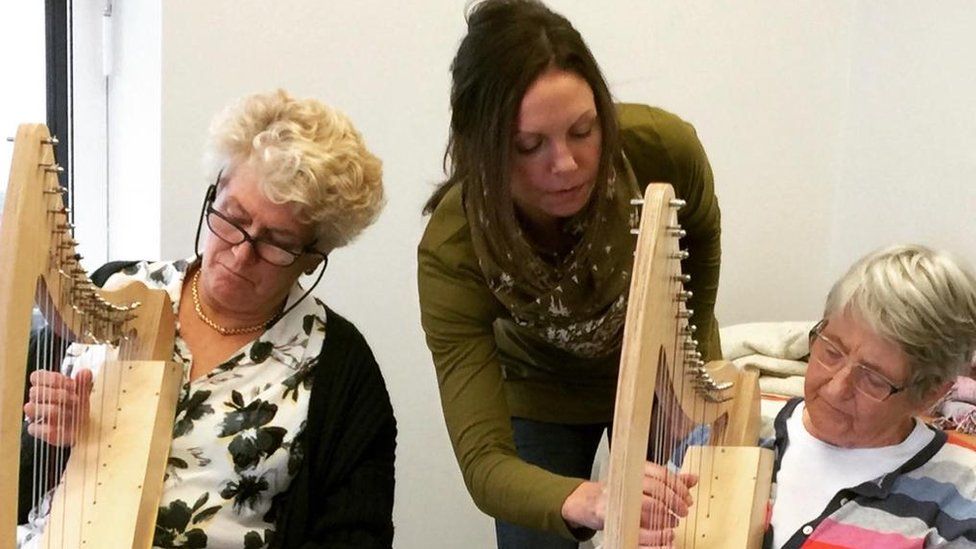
{"x": 678, "y": 417}
{"x": 73, "y": 311}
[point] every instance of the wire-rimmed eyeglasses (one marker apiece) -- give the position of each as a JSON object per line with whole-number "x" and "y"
{"x": 827, "y": 355}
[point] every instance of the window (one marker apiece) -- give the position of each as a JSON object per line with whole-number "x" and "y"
{"x": 23, "y": 95}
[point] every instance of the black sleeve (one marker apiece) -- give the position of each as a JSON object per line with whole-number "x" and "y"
{"x": 342, "y": 496}
{"x": 101, "y": 274}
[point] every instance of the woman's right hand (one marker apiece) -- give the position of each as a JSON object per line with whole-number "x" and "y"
{"x": 57, "y": 406}
{"x": 666, "y": 497}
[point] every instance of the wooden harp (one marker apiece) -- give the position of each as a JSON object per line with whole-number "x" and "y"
{"x": 108, "y": 494}
{"x": 706, "y": 416}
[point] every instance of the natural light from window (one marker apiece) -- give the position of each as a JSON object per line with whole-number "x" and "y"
{"x": 22, "y": 96}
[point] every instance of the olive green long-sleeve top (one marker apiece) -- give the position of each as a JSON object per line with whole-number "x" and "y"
{"x": 490, "y": 370}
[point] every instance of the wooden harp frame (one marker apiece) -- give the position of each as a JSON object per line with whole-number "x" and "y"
{"x": 658, "y": 347}
{"x": 109, "y": 493}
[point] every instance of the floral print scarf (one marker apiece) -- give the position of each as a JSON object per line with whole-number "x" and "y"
{"x": 578, "y": 302}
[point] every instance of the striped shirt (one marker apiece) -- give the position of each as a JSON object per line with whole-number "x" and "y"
{"x": 929, "y": 501}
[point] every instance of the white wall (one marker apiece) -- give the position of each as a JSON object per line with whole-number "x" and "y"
{"x": 388, "y": 72}
{"x": 828, "y": 124}
{"x": 765, "y": 84}
{"x": 135, "y": 106}
{"x": 909, "y": 173}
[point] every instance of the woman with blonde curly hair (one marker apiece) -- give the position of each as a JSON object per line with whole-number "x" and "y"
{"x": 284, "y": 434}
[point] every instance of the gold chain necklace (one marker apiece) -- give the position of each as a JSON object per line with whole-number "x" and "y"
{"x": 217, "y": 327}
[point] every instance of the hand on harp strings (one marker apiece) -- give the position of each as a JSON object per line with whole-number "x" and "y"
{"x": 57, "y": 406}
{"x": 666, "y": 498}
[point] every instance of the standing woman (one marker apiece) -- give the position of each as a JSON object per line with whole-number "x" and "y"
{"x": 524, "y": 268}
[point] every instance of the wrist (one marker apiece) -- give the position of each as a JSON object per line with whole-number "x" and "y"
{"x": 579, "y": 509}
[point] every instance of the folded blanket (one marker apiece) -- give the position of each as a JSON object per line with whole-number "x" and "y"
{"x": 785, "y": 386}
{"x": 958, "y": 409}
{"x": 772, "y": 366}
{"x": 777, "y": 349}
{"x": 964, "y": 390}
{"x": 787, "y": 340}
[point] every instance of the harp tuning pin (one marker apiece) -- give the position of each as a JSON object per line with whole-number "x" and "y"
{"x": 685, "y": 313}
{"x": 684, "y": 295}
{"x": 677, "y": 203}
{"x": 635, "y": 231}
{"x": 682, "y": 278}
{"x": 691, "y": 344}
{"x": 53, "y": 140}
{"x": 634, "y": 218}
{"x": 54, "y": 169}
{"x": 10, "y": 139}
{"x": 680, "y": 254}
{"x": 677, "y": 231}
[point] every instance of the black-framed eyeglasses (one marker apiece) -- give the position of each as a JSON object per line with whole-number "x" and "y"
{"x": 827, "y": 355}
{"x": 230, "y": 232}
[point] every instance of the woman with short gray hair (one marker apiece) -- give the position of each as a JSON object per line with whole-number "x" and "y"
{"x": 915, "y": 296}
{"x": 855, "y": 466}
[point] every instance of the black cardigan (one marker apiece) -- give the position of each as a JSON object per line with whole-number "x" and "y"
{"x": 342, "y": 496}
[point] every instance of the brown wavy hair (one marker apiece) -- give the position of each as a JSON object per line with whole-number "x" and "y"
{"x": 509, "y": 43}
